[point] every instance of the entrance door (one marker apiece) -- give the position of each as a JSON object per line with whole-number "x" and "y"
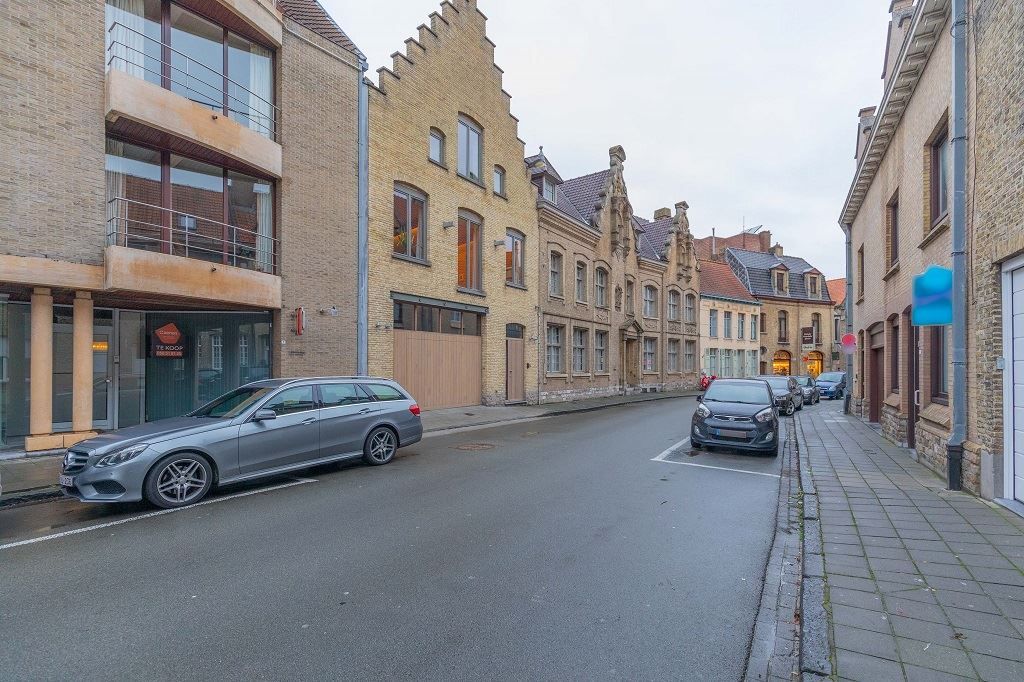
{"x": 1013, "y": 377}
{"x": 875, "y": 408}
{"x": 515, "y": 370}
{"x": 914, "y": 377}
{"x": 102, "y": 368}
{"x": 631, "y": 362}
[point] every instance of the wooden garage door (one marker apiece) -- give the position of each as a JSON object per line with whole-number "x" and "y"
{"x": 440, "y": 370}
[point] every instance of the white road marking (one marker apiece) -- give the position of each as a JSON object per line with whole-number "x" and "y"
{"x": 161, "y": 512}
{"x": 663, "y": 457}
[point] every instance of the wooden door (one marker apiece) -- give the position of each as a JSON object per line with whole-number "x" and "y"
{"x": 439, "y": 370}
{"x": 515, "y": 370}
{"x": 875, "y": 408}
{"x": 914, "y": 379}
{"x": 631, "y": 362}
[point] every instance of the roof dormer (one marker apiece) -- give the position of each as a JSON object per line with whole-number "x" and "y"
{"x": 814, "y": 283}
{"x": 780, "y": 278}
{"x": 544, "y": 176}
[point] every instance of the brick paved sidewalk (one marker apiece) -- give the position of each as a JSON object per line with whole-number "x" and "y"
{"x": 923, "y": 583}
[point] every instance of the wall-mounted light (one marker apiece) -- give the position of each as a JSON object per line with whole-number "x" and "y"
{"x": 448, "y": 223}
{"x": 499, "y": 242}
{"x": 330, "y": 312}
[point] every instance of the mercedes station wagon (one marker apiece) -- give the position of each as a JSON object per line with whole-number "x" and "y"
{"x": 260, "y": 429}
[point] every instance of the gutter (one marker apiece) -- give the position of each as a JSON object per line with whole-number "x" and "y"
{"x": 958, "y": 213}
{"x": 362, "y": 232}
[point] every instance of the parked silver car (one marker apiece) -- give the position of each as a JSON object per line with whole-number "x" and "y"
{"x": 260, "y": 429}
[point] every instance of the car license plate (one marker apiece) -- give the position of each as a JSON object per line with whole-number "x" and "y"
{"x": 730, "y": 433}
{"x": 67, "y": 481}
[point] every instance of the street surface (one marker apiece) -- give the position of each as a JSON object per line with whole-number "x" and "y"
{"x": 552, "y": 549}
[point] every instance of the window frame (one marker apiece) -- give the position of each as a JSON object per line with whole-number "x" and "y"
{"x": 689, "y": 356}
{"x": 412, "y": 194}
{"x": 650, "y": 303}
{"x": 816, "y": 328}
{"x": 892, "y": 231}
{"x": 511, "y": 267}
{"x": 547, "y": 183}
{"x": 690, "y": 309}
{"x": 471, "y": 127}
{"x": 556, "y": 275}
{"x": 652, "y": 367}
{"x": 600, "y": 351}
{"x": 559, "y": 330}
{"x": 468, "y": 286}
{"x": 783, "y": 321}
{"x": 629, "y": 295}
{"x": 498, "y": 179}
{"x": 713, "y": 323}
{"x": 580, "y": 279}
{"x": 580, "y": 351}
{"x": 727, "y": 324}
{"x": 938, "y": 365}
{"x": 672, "y": 360}
{"x": 600, "y": 287}
{"x": 938, "y": 149}
{"x": 673, "y": 305}
{"x": 894, "y": 361}
{"x": 437, "y": 134}
{"x": 741, "y": 326}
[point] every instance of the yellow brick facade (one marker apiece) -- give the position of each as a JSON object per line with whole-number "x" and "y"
{"x": 448, "y": 71}
{"x": 744, "y": 348}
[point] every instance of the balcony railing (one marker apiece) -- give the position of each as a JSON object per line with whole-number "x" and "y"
{"x": 138, "y": 225}
{"x": 140, "y": 55}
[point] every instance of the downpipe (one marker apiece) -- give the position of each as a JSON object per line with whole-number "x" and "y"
{"x": 362, "y": 231}
{"x": 848, "y": 393}
{"x": 958, "y": 213}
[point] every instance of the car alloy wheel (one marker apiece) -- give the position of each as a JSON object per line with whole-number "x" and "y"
{"x": 380, "y": 446}
{"x": 179, "y": 481}
{"x": 790, "y": 408}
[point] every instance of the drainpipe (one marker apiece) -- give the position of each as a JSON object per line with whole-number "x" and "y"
{"x": 362, "y": 232}
{"x": 848, "y": 393}
{"x": 955, "y": 446}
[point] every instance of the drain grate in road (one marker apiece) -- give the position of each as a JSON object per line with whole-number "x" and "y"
{"x": 473, "y": 447}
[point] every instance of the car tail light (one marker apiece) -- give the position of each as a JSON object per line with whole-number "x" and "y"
{"x": 415, "y": 409}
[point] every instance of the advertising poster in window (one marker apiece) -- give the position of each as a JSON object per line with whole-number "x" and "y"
{"x": 167, "y": 342}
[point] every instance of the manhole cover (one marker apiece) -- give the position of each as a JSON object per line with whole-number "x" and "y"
{"x": 475, "y": 446}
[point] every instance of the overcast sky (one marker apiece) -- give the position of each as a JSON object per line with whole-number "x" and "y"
{"x": 744, "y": 109}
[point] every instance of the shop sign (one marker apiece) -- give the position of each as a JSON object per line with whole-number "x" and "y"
{"x": 807, "y": 338}
{"x": 167, "y": 342}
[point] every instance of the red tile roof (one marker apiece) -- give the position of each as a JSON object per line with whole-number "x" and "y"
{"x": 312, "y": 15}
{"x": 836, "y": 290}
{"x": 718, "y": 280}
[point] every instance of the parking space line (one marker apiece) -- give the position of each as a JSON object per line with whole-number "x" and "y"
{"x": 709, "y": 466}
{"x": 670, "y": 450}
{"x": 161, "y": 512}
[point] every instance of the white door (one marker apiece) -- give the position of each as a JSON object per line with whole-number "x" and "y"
{"x": 1015, "y": 370}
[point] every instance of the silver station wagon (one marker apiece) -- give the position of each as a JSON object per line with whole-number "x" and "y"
{"x": 260, "y": 429}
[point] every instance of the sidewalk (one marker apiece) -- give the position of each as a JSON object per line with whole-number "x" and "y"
{"x": 29, "y": 478}
{"x": 922, "y": 583}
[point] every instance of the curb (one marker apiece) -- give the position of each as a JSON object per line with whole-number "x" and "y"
{"x": 30, "y": 497}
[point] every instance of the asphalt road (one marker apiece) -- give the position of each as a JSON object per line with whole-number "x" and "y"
{"x": 554, "y": 549}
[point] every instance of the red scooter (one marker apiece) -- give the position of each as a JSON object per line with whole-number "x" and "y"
{"x": 706, "y": 380}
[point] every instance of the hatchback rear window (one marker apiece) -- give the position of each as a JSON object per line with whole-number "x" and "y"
{"x": 384, "y": 392}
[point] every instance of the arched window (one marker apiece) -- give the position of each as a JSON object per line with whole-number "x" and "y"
{"x": 499, "y": 181}
{"x": 470, "y": 251}
{"x": 673, "y": 306}
{"x": 690, "y": 310}
{"x": 410, "y": 232}
{"x": 783, "y": 326}
{"x": 650, "y": 301}
{"x": 515, "y": 256}
{"x": 782, "y": 363}
{"x": 470, "y": 150}
{"x": 436, "y": 146}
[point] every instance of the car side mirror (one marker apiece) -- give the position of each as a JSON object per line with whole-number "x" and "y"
{"x": 264, "y": 415}
{"x": 700, "y": 397}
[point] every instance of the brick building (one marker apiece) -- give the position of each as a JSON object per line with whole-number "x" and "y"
{"x": 729, "y": 323}
{"x": 453, "y": 222}
{"x": 837, "y": 292}
{"x": 165, "y": 218}
{"x": 618, "y": 293}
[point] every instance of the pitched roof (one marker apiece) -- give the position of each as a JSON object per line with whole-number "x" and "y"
{"x": 312, "y": 15}
{"x": 837, "y": 290}
{"x": 583, "y": 192}
{"x": 717, "y": 280}
{"x": 655, "y": 235}
{"x": 743, "y": 240}
{"x": 753, "y": 269}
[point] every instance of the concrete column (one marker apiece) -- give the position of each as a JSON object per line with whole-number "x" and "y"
{"x": 81, "y": 363}
{"x": 41, "y": 367}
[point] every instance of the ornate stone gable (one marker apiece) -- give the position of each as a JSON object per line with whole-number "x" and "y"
{"x": 614, "y": 202}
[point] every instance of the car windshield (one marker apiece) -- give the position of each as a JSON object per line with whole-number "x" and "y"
{"x": 805, "y": 381}
{"x": 834, "y": 377}
{"x": 778, "y": 382}
{"x": 751, "y": 394}
{"x": 232, "y": 404}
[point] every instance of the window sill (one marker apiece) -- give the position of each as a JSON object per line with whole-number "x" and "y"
{"x": 651, "y": 372}
{"x": 513, "y": 285}
{"x": 602, "y": 374}
{"x": 557, "y": 297}
{"x": 581, "y": 375}
{"x": 582, "y": 303}
{"x": 938, "y": 228}
{"x": 891, "y": 272}
{"x": 501, "y": 196}
{"x": 937, "y": 414}
{"x": 783, "y": 342}
{"x": 472, "y": 181}
{"x": 439, "y": 164}
{"x": 860, "y": 299}
{"x": 411, "y": 259}
{"x": 601, "y": 307}
{"x": 556, "y": 375}
{"x": 471, "y": 292}
{"x": 893, "y": 400}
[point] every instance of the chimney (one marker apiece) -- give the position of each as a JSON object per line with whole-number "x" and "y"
{"x": 776, "y": 250}
{"x": 901, "y": 12}
{"x": 765, "y": 241}
{"x": 662, "y": 213}
{"x": 865, "y": 125}
{"x": 714, "y": 245}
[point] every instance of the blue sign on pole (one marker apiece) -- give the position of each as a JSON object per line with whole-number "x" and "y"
{"x": 933, "y": 297}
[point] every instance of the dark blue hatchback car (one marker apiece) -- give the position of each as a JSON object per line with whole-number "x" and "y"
{"x": 832, "y": 384}
{"x": 739, "y": 414}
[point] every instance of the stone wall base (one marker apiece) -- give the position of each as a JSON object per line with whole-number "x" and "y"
{"x": 894, "y": 425}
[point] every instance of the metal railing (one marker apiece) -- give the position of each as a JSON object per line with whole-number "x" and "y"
{"x": 127, "y": 51}
{"x": 138, "y": 225}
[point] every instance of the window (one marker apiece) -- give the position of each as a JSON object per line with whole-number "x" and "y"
{"x": 436, "y": 153}
{"x": 753, "y": 326}
{"x": 410, "y": 220}
{"x": 291, "y": 400}
{"x": 339, "y": 395}
{"x": 515, "y": 331}
{"x": 713, "y": 323}
{"x": 835, "y": 328}
{"x": 894, "y": 362}
{"x": 217, "y": 352}
{"x": 690, "y": 311}
{"x": 939, "y": 365}
{"x": 470, "y": 150}
{"x": 780, "y": 277}
{"x": 514, "y": 257}
{"x": 860, "y": 272}
{"x": 727, "y": 362}
{"x": 727, "y": 324}
{"x": 600, "y": 351}
{"x": 938, "y": 182}
{"x": 711, "y": 362}
{"x": 892, "y": 231}
{"x": 549, "y": 189}
{"x": 629, "y": 298}
{"x": 816, "y": 327}
{"x": 556, "y": 339}
{"x": 812, "y": 286}
{"x": 673, "y": 306}
{"x": 650, "y": 355}
{"x": 783, "y": 326}
{"x": 555, "y": 274}
{"x": 752, "y": 363}
{"x": 469, "y": 253}
{"x": 581, "y": 281}
{"x": 764, "y": 323}
{"x": 425, "y": 318}
{"x": 499, "y": 181}
{"x": 579, "y": 351}
{"x": 601, "y": 288}
{"x": 650, "y": 301}
{"x": 741, "y": 326}
{"x": 243, "y": 351}
{"x": 384, "y": 393}
{"x": 689, "y": 356}
{"x": 673, "y": 355}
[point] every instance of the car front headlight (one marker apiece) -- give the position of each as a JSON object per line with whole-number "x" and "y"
{"x": 703, "y": 411}
{"x": 764, "y": 415}
{"x": 121, "y": 456}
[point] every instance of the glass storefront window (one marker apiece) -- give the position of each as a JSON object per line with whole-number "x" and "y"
{"x": 15, "y": 326}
